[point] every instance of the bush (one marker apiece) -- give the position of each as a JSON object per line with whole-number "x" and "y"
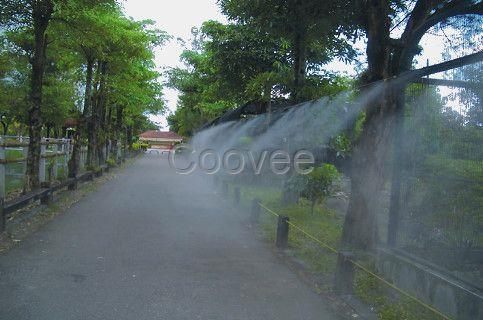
{"x": 136, "y": 146}
{"x": 316, "y": 185}
{"x": 111, "y": 162}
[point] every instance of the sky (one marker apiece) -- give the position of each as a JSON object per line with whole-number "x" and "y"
{"x": 178, "y": 17}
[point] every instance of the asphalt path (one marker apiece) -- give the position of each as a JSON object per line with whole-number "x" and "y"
{"x": 151, "y": 244}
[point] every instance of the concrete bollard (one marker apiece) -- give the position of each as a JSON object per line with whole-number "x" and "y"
{"x": 282, "y": 232}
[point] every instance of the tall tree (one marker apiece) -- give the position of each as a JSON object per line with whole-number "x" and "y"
{"x": 313, "y": 31}
{"x": 387, "y": 57}
{"x": 42, "y": 11}
{"x": 34, "y": 15}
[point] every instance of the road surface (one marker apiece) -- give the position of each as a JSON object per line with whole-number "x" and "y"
{"x": 150, "y": 244}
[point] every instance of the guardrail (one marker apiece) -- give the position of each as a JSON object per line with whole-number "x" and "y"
{"x": 52, "y": 150}
{"x": 7, "y": 208}
{"x": 53, "y": 164}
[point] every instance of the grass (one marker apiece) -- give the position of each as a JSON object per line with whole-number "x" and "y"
{"x": 11, "y": 154}
{"x": 326, "y": 226}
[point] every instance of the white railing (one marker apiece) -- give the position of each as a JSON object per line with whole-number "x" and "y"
{"x": 53, "y": 166}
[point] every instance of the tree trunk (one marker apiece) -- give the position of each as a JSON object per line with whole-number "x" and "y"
{"x": 75, "y": 156}
{"x": 368, "y": 177}
{"x": 48, "y": 130}
{"x": 101, "y": 113}
{"x": 367, "y": 172}
{"x": 129, "y": 140}
{"x": 91, "y": 118}
{"x": 312, "y": 206}
{"x": 5, "y": 128}
{"x": 300, "y": 66}
{"x": 117, "y": 132}
{"x": 41, "y": 14}
{"x": 398, "y": 154}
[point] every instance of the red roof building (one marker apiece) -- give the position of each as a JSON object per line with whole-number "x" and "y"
{"x": 161, "y": 139}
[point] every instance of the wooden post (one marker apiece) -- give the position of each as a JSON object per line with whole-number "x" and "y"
{"x": 3, "y": 186}
{"x": 255, "y": 213}
{"x": 344, "y": 277}
{"x": 42, "y": 164}
{"x": 47, "y": 198}
{"x": 282, "y": 232}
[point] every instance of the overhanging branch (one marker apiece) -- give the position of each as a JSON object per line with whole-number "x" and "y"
{"x": 441, "y": 67}
{"x": 463, "y": 8}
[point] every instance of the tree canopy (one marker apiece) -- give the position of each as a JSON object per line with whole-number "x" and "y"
{"x": 82, "y": 60}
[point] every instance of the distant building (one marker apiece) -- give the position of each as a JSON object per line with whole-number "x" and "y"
{"x": 161, "y": 139}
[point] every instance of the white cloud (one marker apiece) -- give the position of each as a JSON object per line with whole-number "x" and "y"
{"x": 177, "y": 18}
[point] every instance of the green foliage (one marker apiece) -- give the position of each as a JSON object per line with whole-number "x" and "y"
{"x": 137, "y": 146}
{"x": 111, "y": 163}
{"x": 237, "y": 63}
{"x": 342, "y": 145}
{"x": 316, "y": 185}
{"x": 311, "y": 36}
{"x": 442, "y": 167}
{"x": 83, "y": 30}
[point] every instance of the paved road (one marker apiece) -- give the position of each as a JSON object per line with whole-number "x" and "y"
{"x": 150, "y": 244}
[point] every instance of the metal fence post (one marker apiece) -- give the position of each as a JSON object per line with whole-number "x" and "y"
{"x": 282, "y": 232}
{"x": 42, "y": 164}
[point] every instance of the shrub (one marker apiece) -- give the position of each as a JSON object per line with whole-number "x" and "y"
{"x": 136, "y": 146}
{"x": 111, "y": 162}
{"x": 316, "y": 185}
